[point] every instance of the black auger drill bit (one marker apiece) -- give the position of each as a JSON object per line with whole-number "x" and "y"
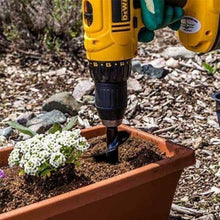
{"x": 114, "y": 140}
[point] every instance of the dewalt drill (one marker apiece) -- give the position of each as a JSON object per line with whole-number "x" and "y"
{"x": 111, "y": 41}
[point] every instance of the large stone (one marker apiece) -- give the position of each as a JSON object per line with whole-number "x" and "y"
{"x": 64, "y": 102}
{"x": 24, "y": 118}
{"x": 43, "y": 122}
{"x": 136, "y": 66}
{"x": 152, "y": 72}
{"x": 177, "y": 52}
{"x": 6, "y": 132}
{"x": 84, "y": 87}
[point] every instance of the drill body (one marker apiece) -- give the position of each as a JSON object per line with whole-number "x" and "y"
{"x": 111, "y": 41}
{"x": 200, "y": 29}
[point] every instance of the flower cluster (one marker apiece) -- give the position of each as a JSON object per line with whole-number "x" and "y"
{"x": 2, "y": 174}
{"x": 42, "y": 154}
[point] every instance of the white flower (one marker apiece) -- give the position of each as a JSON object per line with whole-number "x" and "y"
{"x": 30, "y": 168}
{"x": 14, "y": 157}
{"x": 57, "y": 160}
{"x": 81, "y": 144}
{"x": 46, "y": 152}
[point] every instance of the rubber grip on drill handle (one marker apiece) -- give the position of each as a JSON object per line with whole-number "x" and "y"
{"x": 176, "y": 3}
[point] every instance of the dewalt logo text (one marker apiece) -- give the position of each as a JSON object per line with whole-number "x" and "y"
{"x": 125, "y": 10}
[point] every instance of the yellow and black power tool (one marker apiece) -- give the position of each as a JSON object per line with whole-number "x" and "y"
{"x": 111, "y": 41}
{"x": 200, "y": 29}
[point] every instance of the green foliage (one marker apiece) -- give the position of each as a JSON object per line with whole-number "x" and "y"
{"x": 11, "y": 33}
{"x": 49, "y": 42}
{"x": 71, "y": 124}
{"x": 56, "y": 127}
{"x": 209, "y": 68}
{"x": 62, "y": 8}
{"x": 72, "y": 33}
{"x": 21, "y": 128}
{"x": 41, "y": 24}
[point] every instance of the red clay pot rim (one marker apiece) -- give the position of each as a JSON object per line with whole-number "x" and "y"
{"x": 185, "y": 157}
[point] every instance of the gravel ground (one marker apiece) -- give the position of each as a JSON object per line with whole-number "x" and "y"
{"x": 178, "y": 107}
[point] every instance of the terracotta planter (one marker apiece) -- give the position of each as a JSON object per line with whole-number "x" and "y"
{"x": 145, "y": 193}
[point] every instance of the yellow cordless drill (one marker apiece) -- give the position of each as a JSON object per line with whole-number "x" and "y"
{"x": 200, "y": 29}
{"x": 111, "y": 41}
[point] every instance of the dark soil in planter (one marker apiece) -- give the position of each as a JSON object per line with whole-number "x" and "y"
{"x": 17, "y": 191}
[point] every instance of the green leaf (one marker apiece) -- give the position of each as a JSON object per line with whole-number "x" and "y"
{"x": 71, "y": 124}
{"x": 49, "y": 42}
{"x": 21, "y": 173}
{"x": 56, "y": 127}
{"x": 21, "y": 128}
{"x": 209, "y": 68}
{"x": 46, "y": 173}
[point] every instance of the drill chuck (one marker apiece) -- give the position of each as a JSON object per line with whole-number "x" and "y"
{"x": 111, "y": 90}
{"x": 111, "y": 102}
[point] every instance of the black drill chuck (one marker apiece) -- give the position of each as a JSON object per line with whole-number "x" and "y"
{"x": 111, "y": 90}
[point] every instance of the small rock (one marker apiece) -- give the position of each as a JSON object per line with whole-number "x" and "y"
{"x": 125, "y": 122}
{"x": 24, "y": 118}
{"x": 64, "y": 102}
{"x": 6, "y": 132}
{"x": 43, "y": 122}
{"x": 197, "y": 143}
{"x": 185, "y": 199}
{"x": 19, "y": 105}
{"x": 172, "y": 63}
{"x": 202, "y": 104}
{"x": 152, "y": 72}
{"x": 134, "y": 85}
{"x": 136, "y": 66}
{"x": 196, "y": 72}
{"x": 158, "y": 63}
{"x": 84, "y": 87}
{"x": 149, "y": 123}
{"x": 198, "y": 164}
{"x": 215, "y": 141}
{"x": 177, "y": 52}
{"x": 89, "y": 99}
{"x": 213, "y": 123}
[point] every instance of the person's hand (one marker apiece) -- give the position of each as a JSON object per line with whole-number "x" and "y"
{"x": 156, "y": 14}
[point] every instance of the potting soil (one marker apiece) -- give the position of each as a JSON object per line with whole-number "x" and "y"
{"x": 17, "y": 191}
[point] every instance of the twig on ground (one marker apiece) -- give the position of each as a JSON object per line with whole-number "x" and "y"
{"x": 165, "y": 130}
{"x": 188, "y": 211}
